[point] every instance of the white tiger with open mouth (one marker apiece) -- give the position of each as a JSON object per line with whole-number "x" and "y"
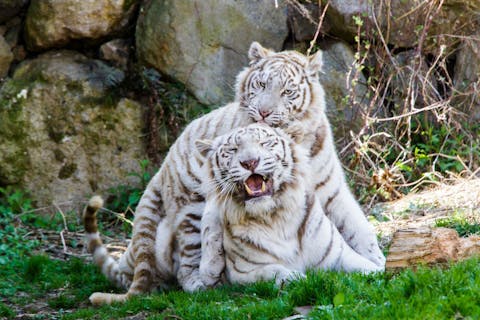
{"x": 262, "y": 219}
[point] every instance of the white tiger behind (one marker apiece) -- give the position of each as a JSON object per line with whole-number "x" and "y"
{"x": 262, "y": 217}
{"x": 280, "y": 89}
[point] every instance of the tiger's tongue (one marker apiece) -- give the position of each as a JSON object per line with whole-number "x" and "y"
{"x": 255, "y": 185}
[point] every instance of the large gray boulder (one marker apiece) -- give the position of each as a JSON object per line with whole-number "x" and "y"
{"x": 204, "y": 44}
{"x": 63, "y": 132}
{"x": 6, "y": 57}
{"x": 405, "y": 23}
{"x": 467, "y": 77}
{"x": 402, "y": 23}
{"x": 340, "y": 78}
{"x": 53, "y": 23}
{"x": 340, "y": 15}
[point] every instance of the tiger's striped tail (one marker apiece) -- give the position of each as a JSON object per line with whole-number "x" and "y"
{"x": 101, "y": 257}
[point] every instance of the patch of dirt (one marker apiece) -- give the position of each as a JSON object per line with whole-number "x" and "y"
{"x": 424, "y": 209}
{"x": 62, "y": 245}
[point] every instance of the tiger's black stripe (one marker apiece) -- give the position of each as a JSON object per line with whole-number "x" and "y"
{"x": 309, "y": 200}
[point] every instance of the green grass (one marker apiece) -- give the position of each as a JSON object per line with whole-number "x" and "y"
{"x": 41, "y": 278}
{"x": 460, "y": 223}
{"x": 60, "y": 289}
{"x": 427, "y": 293}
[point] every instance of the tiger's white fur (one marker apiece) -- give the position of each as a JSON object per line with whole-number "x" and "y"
{"x": 300, "y": 111}
{"x": 261, "y": 209}
{"x": 166, "y": 232}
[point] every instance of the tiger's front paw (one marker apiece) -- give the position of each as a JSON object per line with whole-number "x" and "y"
{"x": 285, "y": 277}
{"x": 194, "y": 284}
{"x": 379, "y": 261}
{"x": 375, "y": 255}
{"x": 211, "y": 280}
{"x": 212, "y": 268}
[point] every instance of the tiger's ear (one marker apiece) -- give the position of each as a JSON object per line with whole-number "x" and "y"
{"x": 204, "y": 147}
{"x": 257, "y": 52}
{"x": 315, "y": 63}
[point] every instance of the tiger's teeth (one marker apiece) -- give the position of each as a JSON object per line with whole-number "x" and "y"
{"x": 264, "y": 187}
{"x": 249, "y": 191}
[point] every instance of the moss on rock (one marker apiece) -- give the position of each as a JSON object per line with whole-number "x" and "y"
{"x": 13, "y": 132}
{"x": 58, "y": 132}
{"x": 67, "y": 170}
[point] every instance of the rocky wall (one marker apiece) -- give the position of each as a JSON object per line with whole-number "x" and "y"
{"x": 76, "y": 117}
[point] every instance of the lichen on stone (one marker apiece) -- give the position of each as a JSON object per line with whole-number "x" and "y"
{"x": 67, "y": 170}
{"x": 13, "y": 132}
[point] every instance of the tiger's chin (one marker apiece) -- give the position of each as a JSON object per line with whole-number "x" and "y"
{"x": 260, "y": 206}
{"x": 274, "y": 122}
{"x": 270, "y": 122}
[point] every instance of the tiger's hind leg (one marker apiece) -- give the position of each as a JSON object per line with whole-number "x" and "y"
{"x": 358, "y": 232}
{"x": 189, "y": 252}
{"x": 324, "y": 247}
{"x": 344, "y": 211}
{"x": 350, "y": 261}
{"x": 100, "y": 298}
{"x": 134, "y": 278}
{"x": 147, "y": 218}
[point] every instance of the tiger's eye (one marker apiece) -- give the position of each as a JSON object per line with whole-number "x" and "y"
{"x": 287, "y": 92}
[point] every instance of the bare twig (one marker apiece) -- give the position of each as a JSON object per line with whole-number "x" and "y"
{"x": 63, "y": 216}
{"x": 300, "y": 8}
{"x": 320, "y": 23}
{"x": 121, "y": 216}
{"x": 51, "y": 207}
{"x": 409, "y": 114}
{"x": 65, "y": 250}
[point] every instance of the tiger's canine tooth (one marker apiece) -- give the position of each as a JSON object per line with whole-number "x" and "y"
{"x": 249, "y": 191}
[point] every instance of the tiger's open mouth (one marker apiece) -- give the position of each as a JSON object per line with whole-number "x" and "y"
{"x": 257, "y": 186}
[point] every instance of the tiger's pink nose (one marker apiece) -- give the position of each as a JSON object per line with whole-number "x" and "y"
{"x": 250, "y": 164}
{"x": 265, "y": 113}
